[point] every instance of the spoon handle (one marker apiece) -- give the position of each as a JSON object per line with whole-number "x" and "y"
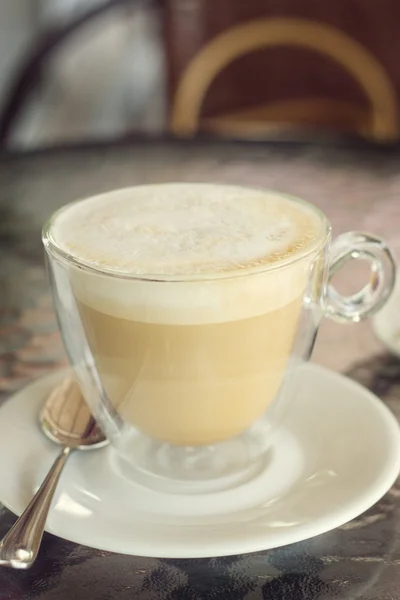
{"x": 21, "y": 544}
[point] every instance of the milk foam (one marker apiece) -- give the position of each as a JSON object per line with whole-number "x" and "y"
{"x": 184, "y": 229}
{"x": 188, "y": 230}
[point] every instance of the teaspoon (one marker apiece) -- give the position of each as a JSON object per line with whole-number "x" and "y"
{"x": 66, "y": 420}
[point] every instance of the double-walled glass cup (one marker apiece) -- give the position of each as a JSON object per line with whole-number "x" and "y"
{"x": 189, "y": 376}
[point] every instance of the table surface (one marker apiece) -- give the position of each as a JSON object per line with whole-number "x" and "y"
{"x": 358, "y": 189}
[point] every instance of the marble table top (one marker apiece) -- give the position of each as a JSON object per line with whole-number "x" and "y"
{"x": 357, "y": 188}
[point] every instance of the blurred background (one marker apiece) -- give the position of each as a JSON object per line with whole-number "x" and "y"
{"x": 80, "y": 71}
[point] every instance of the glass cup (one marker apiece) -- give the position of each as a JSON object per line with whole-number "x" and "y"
{"x": 190, "y": 399}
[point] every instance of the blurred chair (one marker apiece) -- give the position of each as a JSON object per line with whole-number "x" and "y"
{"x": 375, "y": 119}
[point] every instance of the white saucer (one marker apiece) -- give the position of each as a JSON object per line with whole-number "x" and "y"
{"x": 386, "y": 323}
{"x": 338, "y": 453}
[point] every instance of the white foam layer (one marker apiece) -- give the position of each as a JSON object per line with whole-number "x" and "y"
{"x": 188, "y": 303}
{"x": 177, "y": 233}
{"x": 184, "y": 229}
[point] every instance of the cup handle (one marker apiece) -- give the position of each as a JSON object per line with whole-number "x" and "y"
{"x": 356, "y": 245}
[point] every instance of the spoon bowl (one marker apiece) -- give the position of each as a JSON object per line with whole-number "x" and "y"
{"x": 66, "y": 419}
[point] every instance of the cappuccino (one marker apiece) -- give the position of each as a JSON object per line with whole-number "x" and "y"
{"x": 190, "y": 296}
